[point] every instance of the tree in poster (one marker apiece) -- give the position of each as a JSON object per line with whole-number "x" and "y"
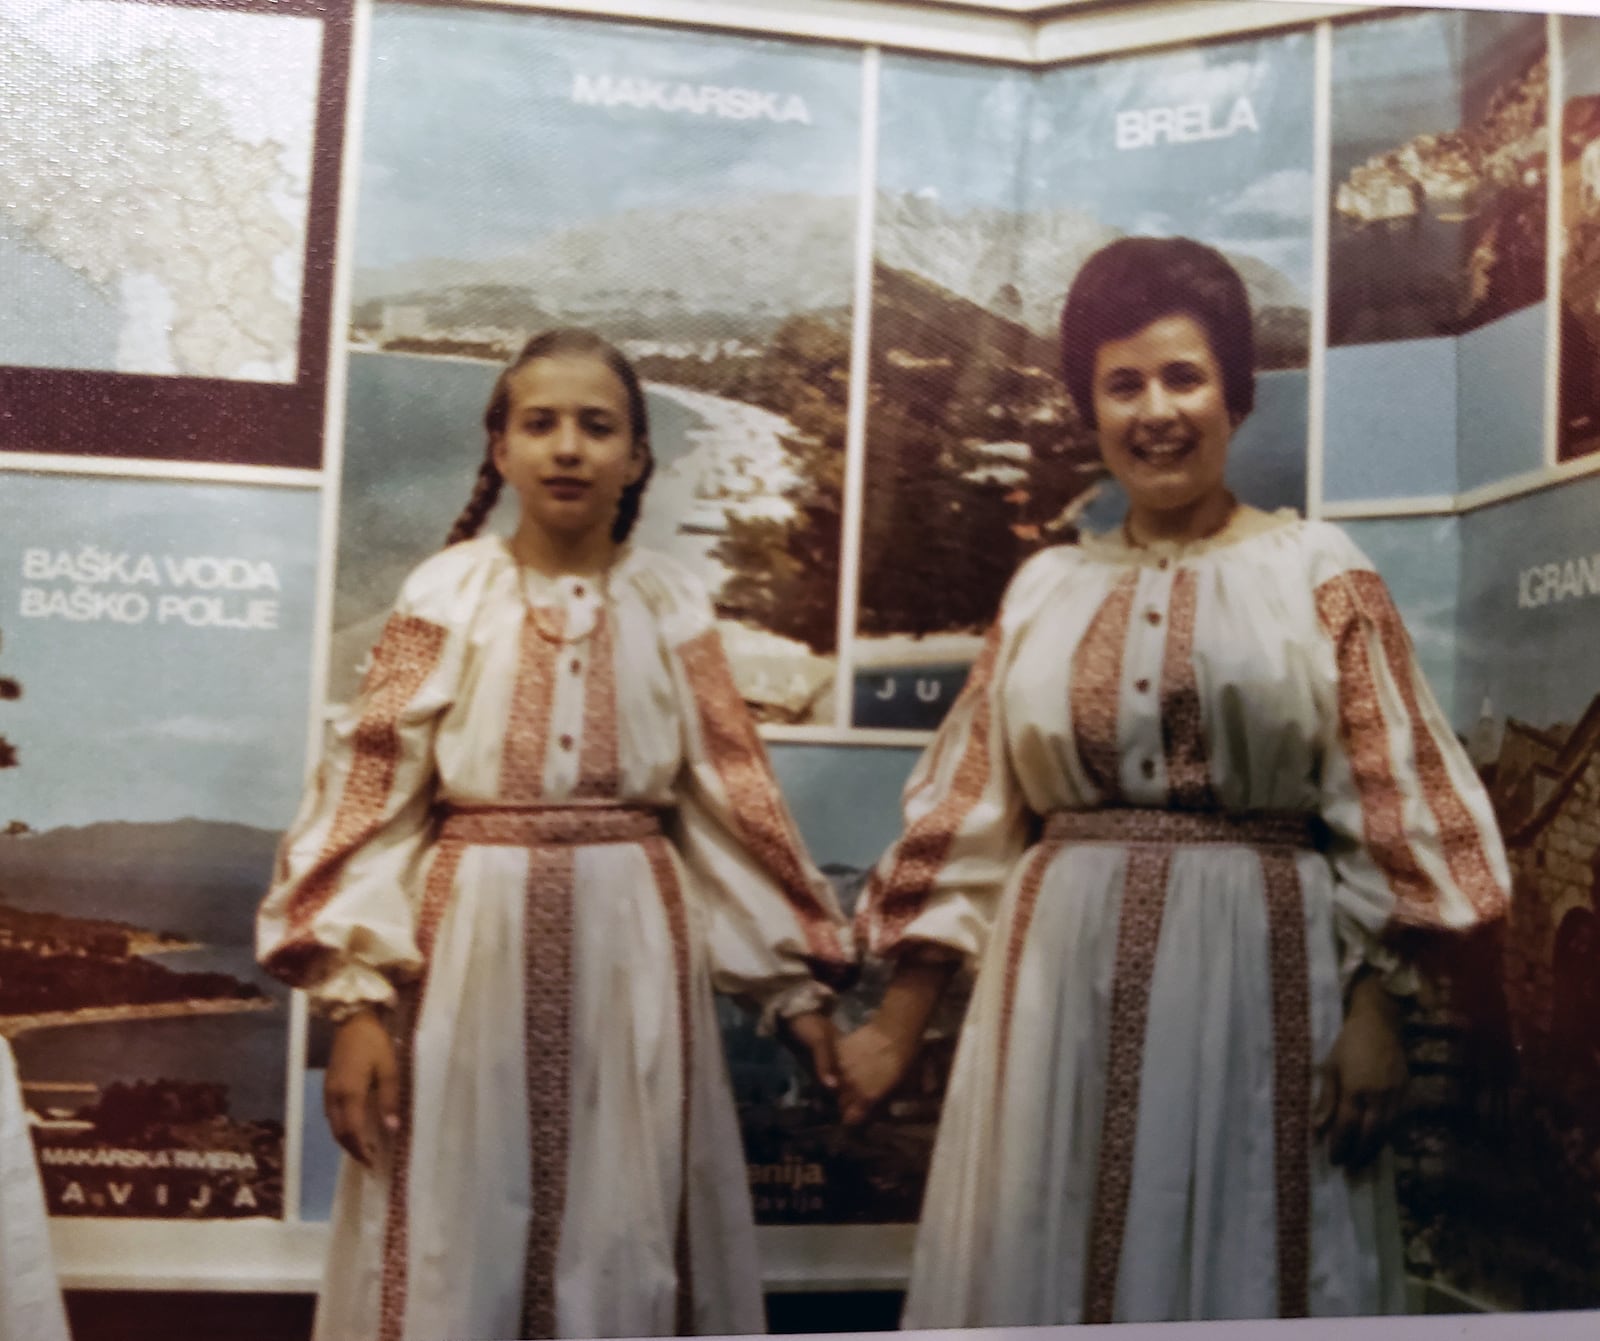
{"x": 974, "y": 457}
{"x": 785, "y": 573}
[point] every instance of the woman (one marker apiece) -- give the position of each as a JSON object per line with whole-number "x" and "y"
{"x": 1193, "y": 791}
{"x": 544, "y": 831}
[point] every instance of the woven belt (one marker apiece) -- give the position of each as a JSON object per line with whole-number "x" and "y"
{"x": 1251, "y": 828}
{"x": 558, "y": 825}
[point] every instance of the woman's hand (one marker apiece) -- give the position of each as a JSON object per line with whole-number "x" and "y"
{"x": 875, "y": 1058}
{"x": 815, "y": 1033}
{"x": 361, "y": 1092}
{"x": 873, "y": 1061}
{"x": 1362, "y": 1078}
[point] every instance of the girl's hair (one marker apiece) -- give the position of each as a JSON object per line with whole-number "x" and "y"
{"x": 1134, "y": 281}
{"x": 564, "y": 342}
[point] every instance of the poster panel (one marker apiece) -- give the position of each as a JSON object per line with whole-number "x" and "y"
{"x": 963, "y": 386}
{"x": 169, "y": 173}
{"x": 1498, "y": 1157}
{"x": 1578, "y": 425}
{"x": 974, "y": 456}
{"x": 1436, "y": 265}
{"x": 1437, "y": 173}
{"x": 157, "y": 639}
{"x": 691, "y": 197}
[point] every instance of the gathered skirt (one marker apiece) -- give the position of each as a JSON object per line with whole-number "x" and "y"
{"x": 1126, "y": 1135}
{"x": 569, "y": 1161}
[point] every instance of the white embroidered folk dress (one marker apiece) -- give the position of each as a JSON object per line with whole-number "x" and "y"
{"x": 1116, "y": 822}
{"x": 542, "y": 833}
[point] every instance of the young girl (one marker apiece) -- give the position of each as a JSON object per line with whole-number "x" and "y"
{"x": 540, "y": 836}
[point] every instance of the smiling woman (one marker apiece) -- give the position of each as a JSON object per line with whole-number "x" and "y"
{"x": 1193, "y": 791}
{"x": 1158, "y": 349}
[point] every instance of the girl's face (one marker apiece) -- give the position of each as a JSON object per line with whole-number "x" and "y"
{"x": 568, "y": 447}
{"x": 1163, "y": 415}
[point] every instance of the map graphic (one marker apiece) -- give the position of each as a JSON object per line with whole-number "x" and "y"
{"x": 155, "y": 165}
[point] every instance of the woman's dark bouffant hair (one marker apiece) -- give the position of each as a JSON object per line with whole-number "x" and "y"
{"x": 1134, "y": 281}
{"x": 565, "y": 342}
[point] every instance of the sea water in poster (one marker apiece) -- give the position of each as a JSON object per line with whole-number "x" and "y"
{"x": 156, "y": 645}
{"x": 975, "y": 458}
{"x": 1578, "y": 433}
{"x": 1436, "y": 266}
{"x": 691, "y": 197}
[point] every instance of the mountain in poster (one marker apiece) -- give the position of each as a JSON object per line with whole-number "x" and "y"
{"x": 1019, "y": 265}
{"x": 201, "y": 878}
{"x": 641, "y": 274}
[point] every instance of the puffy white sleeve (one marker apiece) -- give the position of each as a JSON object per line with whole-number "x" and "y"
{"x": 775, "y": 934}
{"x": 339, "y": 919}
{"x": 965, "y": 822}
{"x": 1415, "y": 846}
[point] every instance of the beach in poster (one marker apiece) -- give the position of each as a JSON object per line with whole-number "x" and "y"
{"x": 975, "y": 458}
{"x": 156, "y": 651}
{"x": 692, "y": 198}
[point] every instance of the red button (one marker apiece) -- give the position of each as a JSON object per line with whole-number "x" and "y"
{"x": 577, "y": 666}
{"x": 566, "y": 742}
{"x": 1153, "y": 616}
{"x": 577, "y": 590}
{"x": 1143, "y": 686}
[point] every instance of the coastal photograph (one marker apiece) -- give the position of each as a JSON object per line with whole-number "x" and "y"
{"x": 154, "y": 685}
{"x": 1578, "y": 427}
{"x": 691, "y": 198}
{"x": 1438, "y": 173}
{"x": 969, "y": 422}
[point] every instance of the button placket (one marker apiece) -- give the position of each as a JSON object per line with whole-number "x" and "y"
{"x": 1146, "y": 649}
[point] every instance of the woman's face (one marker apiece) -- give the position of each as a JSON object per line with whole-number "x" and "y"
{"x": 1163, "y": 415}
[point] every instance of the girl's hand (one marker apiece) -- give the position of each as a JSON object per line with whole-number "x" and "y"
{"x": 361, "y": 1092}
{"x": 815, "y": 1032}
{"x": 873, "y": 1061}
{"x": 1362, "y": 1078}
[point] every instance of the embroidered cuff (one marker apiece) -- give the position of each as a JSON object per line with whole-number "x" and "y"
{"x": 800, "y": 998}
